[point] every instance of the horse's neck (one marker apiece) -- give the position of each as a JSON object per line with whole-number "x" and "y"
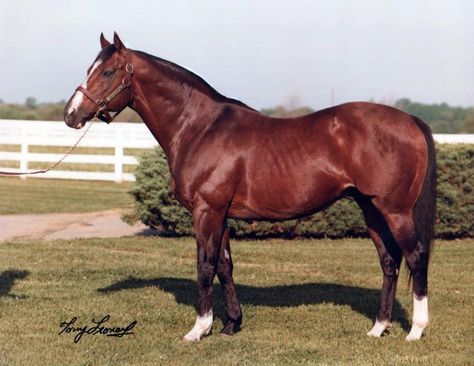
{"x": 174, "y": 112}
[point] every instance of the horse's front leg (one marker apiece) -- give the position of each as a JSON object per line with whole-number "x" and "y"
{"x": 208, "y": 227}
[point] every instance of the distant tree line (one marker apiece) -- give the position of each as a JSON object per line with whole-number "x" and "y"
{"x": 32, "y": 110}
{"x": 441, "y": 117}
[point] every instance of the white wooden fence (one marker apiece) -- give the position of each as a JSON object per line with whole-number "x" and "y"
{"x": 118, "y": 136}
{"x": 452, "y": 138}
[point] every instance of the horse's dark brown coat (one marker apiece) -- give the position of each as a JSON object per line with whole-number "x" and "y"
{"x": 228, "y": 160}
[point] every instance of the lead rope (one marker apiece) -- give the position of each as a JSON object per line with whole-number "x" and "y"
{"x": 54, "y": 165}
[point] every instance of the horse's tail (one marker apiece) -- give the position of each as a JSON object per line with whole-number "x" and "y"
{"x": 424, "y": 212}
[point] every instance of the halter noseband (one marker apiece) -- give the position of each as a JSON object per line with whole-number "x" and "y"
{"x": 102, "y": 104}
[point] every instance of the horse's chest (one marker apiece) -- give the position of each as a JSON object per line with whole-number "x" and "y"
{"x": 184, "y": 198}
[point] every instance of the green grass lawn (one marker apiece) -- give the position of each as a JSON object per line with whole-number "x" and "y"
{"x": 33, "y": 195}
{"x": 304, "y": 302}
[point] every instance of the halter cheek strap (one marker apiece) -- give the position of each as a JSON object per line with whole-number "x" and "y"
{"x": 102, "y": 104}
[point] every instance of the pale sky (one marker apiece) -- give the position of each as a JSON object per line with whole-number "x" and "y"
{"x": 262, "y": 52}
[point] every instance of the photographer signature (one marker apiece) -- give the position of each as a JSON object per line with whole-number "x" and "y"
{"x": 97, "y": 328}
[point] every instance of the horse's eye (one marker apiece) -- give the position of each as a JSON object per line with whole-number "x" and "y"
{"x": 108, "y": 73}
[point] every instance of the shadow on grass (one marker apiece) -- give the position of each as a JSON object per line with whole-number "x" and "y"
{"x": 363, "y": 300}
{"x": 7, "y": 281}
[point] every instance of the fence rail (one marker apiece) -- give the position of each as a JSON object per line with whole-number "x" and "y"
{"x": 453, "y": 138}
{"x": 119, "y": 136}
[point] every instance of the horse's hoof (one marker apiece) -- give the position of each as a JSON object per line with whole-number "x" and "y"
{"x": 230, "y": 328}
{"x": 201, "y": 328}
{"x": 416, "y": 332}
{"x": 227, "y": 331}
{"x": 193, "y": 336}
{"x": 379, "y": 328}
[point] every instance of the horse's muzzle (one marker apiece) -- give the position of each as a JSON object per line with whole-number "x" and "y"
{"x": 72, "y": 120}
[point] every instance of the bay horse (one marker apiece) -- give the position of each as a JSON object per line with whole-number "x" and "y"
{"x": 227, "y": 160}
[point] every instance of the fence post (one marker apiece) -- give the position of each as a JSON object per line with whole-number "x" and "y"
{"x": 118, "y": 169}
{"x": 24, "y": 153}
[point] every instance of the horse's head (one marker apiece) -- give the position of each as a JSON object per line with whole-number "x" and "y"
{"x": 106, "y": 87}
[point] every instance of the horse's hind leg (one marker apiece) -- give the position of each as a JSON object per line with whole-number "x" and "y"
{"x": 416, "y": 255}
{"x": 224, "y": 273}
{"x": 390, "y": 256}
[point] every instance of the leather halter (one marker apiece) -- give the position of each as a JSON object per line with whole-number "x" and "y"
{"x": 102, "y": 104}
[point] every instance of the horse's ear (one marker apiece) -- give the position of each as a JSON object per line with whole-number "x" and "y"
{"x": 103, "y": 42}
{"x": 118, "y": 43}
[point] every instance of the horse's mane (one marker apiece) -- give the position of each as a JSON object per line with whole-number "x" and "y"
{"x": 194, "y": 81}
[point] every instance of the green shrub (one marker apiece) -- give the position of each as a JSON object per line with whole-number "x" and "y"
{"x": 156, "y": 207}
{"x": 455, "y": 198}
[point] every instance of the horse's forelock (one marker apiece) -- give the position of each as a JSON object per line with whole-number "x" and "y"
{"x": 103, "y": 56}
{"x": 106, "y": 53}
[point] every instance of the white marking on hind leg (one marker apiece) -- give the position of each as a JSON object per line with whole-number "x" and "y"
{"x": 420, "y": 317}
{"x": 379, "y": 327}
{"x": 201, "y": 328}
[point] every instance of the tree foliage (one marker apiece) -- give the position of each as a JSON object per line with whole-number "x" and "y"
{"x": 442, "y": 118}
{"x": 31, "y": 103}
{"x": 284, "y": 112}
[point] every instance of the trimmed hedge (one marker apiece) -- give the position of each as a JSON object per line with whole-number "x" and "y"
{"x": 156, "y": 207}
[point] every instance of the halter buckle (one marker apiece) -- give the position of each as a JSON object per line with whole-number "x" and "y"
{"x": 101, "y": 105}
